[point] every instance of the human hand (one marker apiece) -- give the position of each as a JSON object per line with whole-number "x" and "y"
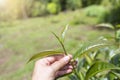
{"x": 52, "y": 67}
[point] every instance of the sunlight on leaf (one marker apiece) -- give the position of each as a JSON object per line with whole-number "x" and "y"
{"x": 99, "y": 66}
{"x": 44, "y": 54}
{"x": 85, "y": 49}
{"x": 64, "y": 32}
{"x": 105, "y": 25}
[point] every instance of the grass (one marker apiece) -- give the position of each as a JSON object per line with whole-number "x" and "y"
{"x": 21, "y": 39}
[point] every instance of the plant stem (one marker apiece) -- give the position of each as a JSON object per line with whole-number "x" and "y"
{"x": 75, "y": 72}
{"x": 63, "y": 48}
{"x": 65, "y": 52}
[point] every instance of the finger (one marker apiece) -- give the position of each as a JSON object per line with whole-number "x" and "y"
{"x": 49, "y": 60}
{"x": 53, "y": 58}
{"x": 70, "y": 65}
{"x": 57, "y": 56}
{"x": 67, "y": 67}
{"x": 61, "y": 63}
{"x": 64, "y": 72}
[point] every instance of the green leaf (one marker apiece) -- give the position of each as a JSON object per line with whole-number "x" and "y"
{"x": 81, "y": 75}
{"x": 88, "y": 59}
{"x": 85, "y": 49}
{"x": 64, "y": 32}
{"x": 60, "y": 41}
{"x": 109, "y": 37}
{"x": 104, "y": 25}
{"x": 116, "y": 59}
{"x": 116, "y": 74}
{"x": 98, "y": 67}
{"x": 43, "y": 54}
{"x": 118, "y": 26}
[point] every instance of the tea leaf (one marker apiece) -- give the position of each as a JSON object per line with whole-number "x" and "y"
{"x": 64, "y": 32}
{"x": 60, "y": 43}
{"x": 116, "y": 58}
{"x": 116, "y": 74}
{"x": 98, "y": 67}
{"x": 88, "y": 48}
{"x": 108, "y": 26}
{"x": 88, "y": 59}
{"x": 43, "y": 54}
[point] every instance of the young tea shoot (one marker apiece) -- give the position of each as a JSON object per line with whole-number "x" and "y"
{"x": 88, "y": 64}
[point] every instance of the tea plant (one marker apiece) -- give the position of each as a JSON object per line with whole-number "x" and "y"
{"x": 94, "y": 59}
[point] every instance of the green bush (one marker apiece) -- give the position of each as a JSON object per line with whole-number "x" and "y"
{"x": 115, "y": 3}
{"x": 73, "y": 4}
{"x": 96, "y": 11}
{"x": 113, "y": 16}
{"x": 56, "y": 1}
{"x": 53, "y": 8}
{"x": 90, "y": 2}
{"x": 106, "y": 3}
{"x": 37, "y": 9}
{"x": 95, "y": 60}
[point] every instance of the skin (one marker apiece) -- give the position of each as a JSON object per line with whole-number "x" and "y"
{"x": 50, "y": 68}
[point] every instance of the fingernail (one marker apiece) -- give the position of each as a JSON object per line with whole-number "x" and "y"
{"x": 71, "y": 67}
{"x": 67, "y": 58}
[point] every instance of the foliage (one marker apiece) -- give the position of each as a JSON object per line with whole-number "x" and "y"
{"x": 115, "y": 60}
{"x": 23, "y": 38}
{"x": 96, "y": 11}
{"x": 90, "y": 59}
{"x": 73, "y": 4}
{"x": 115, "y": 2}
{"x": 98, "y": 67}
{"x": 106, "y": 3}
{"x": 116, "y": 30}
{"x": 53, "y": 8}
{"x": 113, "y": 15}
{"x": 33, "y": 8}
{"x": 86, "y": 3}
{"x": 37, "y": 9}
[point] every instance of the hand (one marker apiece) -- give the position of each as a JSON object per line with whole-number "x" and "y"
{"x": 52, "y": 67}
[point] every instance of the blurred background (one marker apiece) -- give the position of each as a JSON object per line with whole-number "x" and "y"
{"x": 26, "y": 25}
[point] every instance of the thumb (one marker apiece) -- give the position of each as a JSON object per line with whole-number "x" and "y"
{"x": 61, "y": 63}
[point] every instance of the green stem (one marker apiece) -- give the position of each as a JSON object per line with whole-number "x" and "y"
{"x": 63, "y": 48}
{"x": 65, "y": 52}
{"x": 74, "y": 71}
{"x": 60, "y": 43}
